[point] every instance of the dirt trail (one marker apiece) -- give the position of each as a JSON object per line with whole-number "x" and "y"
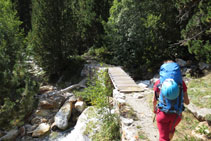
{"x": 144, "y": 114}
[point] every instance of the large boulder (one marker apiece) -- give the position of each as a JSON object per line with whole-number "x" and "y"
{"x": 62, "y": 116}
{"x": 82, "y": 131}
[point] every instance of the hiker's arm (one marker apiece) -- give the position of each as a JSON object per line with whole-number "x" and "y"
{"x": 186, "y": 99}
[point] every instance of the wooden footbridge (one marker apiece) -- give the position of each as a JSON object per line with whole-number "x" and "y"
{"x": 122, "y": 81}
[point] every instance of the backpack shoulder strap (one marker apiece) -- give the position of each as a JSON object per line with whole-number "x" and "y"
{"x": 157, "y": 91}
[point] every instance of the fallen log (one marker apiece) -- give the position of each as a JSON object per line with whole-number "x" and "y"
{"x": 62, "y": 91}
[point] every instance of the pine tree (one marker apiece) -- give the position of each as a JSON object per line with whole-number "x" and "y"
{"x": 17, "y": 87}
{"x": 53, "y": 34}
{"x": 194, "y": 18}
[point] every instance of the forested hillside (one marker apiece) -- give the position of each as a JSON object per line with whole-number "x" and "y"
{"x": 59, "y": 36}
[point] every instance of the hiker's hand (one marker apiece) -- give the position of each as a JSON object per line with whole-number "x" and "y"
{"x": 155, "y": 110}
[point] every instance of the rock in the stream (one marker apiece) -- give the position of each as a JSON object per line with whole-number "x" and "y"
{"x": 67, "y": 95}
{"x": 144, "y": 84}
{"x": 30, "y": 128}
{"x": 88, "y": 116}
{"x": 80, "y": 106}
{"x": 43, "y": 112}
{"x": 41, "y": 130}
{"x": 22, "y": 131}
{"x": 62, "y": 116}
{"x": 2, "y": 133}
{"x": 38, "y": 120}
{"x": 48, "y": 104}
{"x": 44, "y": 89}
{"x": 11, "y": 135}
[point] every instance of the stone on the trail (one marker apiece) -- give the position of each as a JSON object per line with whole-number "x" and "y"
{"x": 41, "y": 130}
{"x": 138, "y": 95}
{"x": 206, "y": 97}
{"x": 80, "y": 106}
{"x": 117, "y": 94}
{"x": 203, "y": 66}
{"x": 62, "y": 116}
{"x": 199, "y": 113}
{"x": 129, "y": 133}
{"x": 127, "y": 121}
{"x": 185, "y": 71}
{"x": 121, "y": 101}
{"x": 11, "y": 135}
{"x": 181, "y": 62}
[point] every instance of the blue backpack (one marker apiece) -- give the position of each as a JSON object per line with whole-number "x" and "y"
{"x": 171, "y": 71}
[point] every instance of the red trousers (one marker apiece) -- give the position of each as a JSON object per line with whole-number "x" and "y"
{"x": 166, "y": 124}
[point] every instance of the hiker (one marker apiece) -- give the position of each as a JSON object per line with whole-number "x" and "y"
{"x": 170, "y": 94}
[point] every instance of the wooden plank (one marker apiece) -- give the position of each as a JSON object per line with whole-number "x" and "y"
{"x": 129, "y": 89}
{"x": 122, "y": 81}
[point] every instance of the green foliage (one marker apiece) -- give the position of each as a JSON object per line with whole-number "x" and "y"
{"x": 98, "y": 91}
{"x": 110, "y": 129}
{"x": 17, "y": 88}
{"x": 100, "y": 54}
{"x": 140, "y": 34}
{"x": 196, "y": 28}
{"x": 88, "y": 16}
{"x": 62, "y": 29}
{"x": 202, "y": 129}
{"x": 53, "y": 35}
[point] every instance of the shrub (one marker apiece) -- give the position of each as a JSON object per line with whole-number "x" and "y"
{"x": 97, "y": 93}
